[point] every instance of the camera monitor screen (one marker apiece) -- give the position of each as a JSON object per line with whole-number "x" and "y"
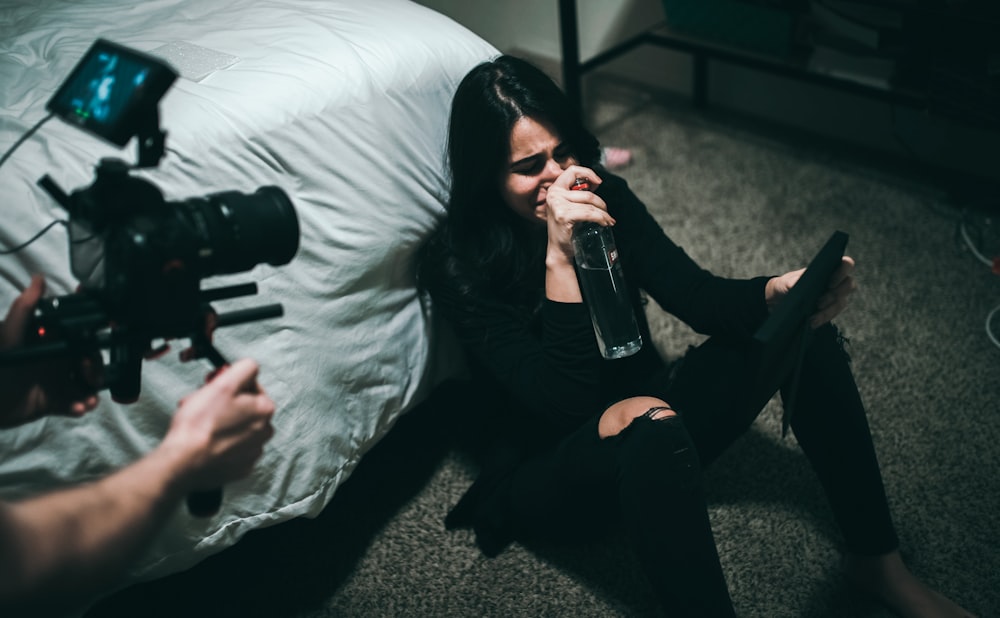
{"x": 112, "y": 92}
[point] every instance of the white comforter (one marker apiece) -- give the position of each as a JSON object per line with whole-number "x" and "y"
{"x": 344, "y": 105}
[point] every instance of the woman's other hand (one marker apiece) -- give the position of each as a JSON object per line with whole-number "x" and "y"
{"x": 830, "y": 304}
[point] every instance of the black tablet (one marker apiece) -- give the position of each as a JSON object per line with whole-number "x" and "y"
{"x": 785, "y": 333}
{"x": 786, "y": 321}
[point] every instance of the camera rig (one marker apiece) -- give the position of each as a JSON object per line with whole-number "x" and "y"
{"x": 151, "y": 257}
{"x": 140, "y": 259}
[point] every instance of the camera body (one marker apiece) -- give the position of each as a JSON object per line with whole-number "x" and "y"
{"x": 140, "y": 259}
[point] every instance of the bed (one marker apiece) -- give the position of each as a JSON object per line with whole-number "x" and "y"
{"x": 342, "y": 104}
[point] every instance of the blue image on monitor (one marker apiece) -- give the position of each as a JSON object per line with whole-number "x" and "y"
{"x": 113, "y": 93}
{"x": 105, "y": 87}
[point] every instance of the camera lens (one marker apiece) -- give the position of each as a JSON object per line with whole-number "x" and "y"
{"x": 238, "y": 231}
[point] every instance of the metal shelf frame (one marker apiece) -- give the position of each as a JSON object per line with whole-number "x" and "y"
{"x": 702, "y": 52}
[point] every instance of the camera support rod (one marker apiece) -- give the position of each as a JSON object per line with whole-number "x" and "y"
{"x": 151, "y": 139}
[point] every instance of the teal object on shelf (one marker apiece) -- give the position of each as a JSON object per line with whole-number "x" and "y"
{"x": 738, "y": 23}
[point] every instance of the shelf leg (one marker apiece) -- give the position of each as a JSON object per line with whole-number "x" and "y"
{"x": 570, "y": 53}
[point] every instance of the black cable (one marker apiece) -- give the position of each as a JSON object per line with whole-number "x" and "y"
{"x": 23, "y": 138}
{"x": 34, "y": 238}
{"x": 3, "y": 159}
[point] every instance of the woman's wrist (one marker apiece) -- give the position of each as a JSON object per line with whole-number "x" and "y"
{"x": 771, "y": 295}
{"x": 558, "y": 261}
{"x": 560, "y": 278}
{"x": 176, "y": 461}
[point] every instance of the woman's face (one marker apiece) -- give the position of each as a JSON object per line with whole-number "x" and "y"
{"x": 537, "y": 157}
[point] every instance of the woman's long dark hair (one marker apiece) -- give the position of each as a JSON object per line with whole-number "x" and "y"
{"x": 483, "y": 248}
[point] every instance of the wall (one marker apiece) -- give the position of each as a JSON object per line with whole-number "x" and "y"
{"x": 532, "y": 27}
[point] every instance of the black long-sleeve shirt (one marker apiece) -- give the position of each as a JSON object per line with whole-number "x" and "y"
{"x": 550, "y": 364}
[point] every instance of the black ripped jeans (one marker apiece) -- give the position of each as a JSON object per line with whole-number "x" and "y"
{"x": 648, "y": 477}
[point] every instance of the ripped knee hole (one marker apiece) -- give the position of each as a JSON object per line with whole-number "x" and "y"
{"x": 657, "y": 413}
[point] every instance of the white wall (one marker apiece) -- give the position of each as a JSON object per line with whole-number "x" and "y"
{"x": 532, "y": 27}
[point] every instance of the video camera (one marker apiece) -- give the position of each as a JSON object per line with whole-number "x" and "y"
{"x": 139, "y": 258}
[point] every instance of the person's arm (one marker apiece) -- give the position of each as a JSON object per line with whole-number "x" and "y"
{"x": 64, "y": 547}
{"x": 709, "y": 304}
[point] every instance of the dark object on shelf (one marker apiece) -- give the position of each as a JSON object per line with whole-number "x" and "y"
{"x": 703, "y": 50}
{"x": 747, "y": 25}
{"x": 953, "y": 55}
{"x": 946, "y": 57}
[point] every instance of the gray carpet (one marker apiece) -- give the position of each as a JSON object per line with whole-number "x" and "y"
{"x": 743, "y": 199}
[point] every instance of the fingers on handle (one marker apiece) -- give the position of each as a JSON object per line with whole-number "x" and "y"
{"x": 20, "y": 312}
{"x": 239, "y": 376}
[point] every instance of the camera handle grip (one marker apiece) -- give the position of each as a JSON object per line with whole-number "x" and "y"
{"x": 204, "y": 503}
{"x": 207, "y": 502}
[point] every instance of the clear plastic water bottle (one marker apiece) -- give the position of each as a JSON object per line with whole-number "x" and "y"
{"x": 602, "y": 283}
